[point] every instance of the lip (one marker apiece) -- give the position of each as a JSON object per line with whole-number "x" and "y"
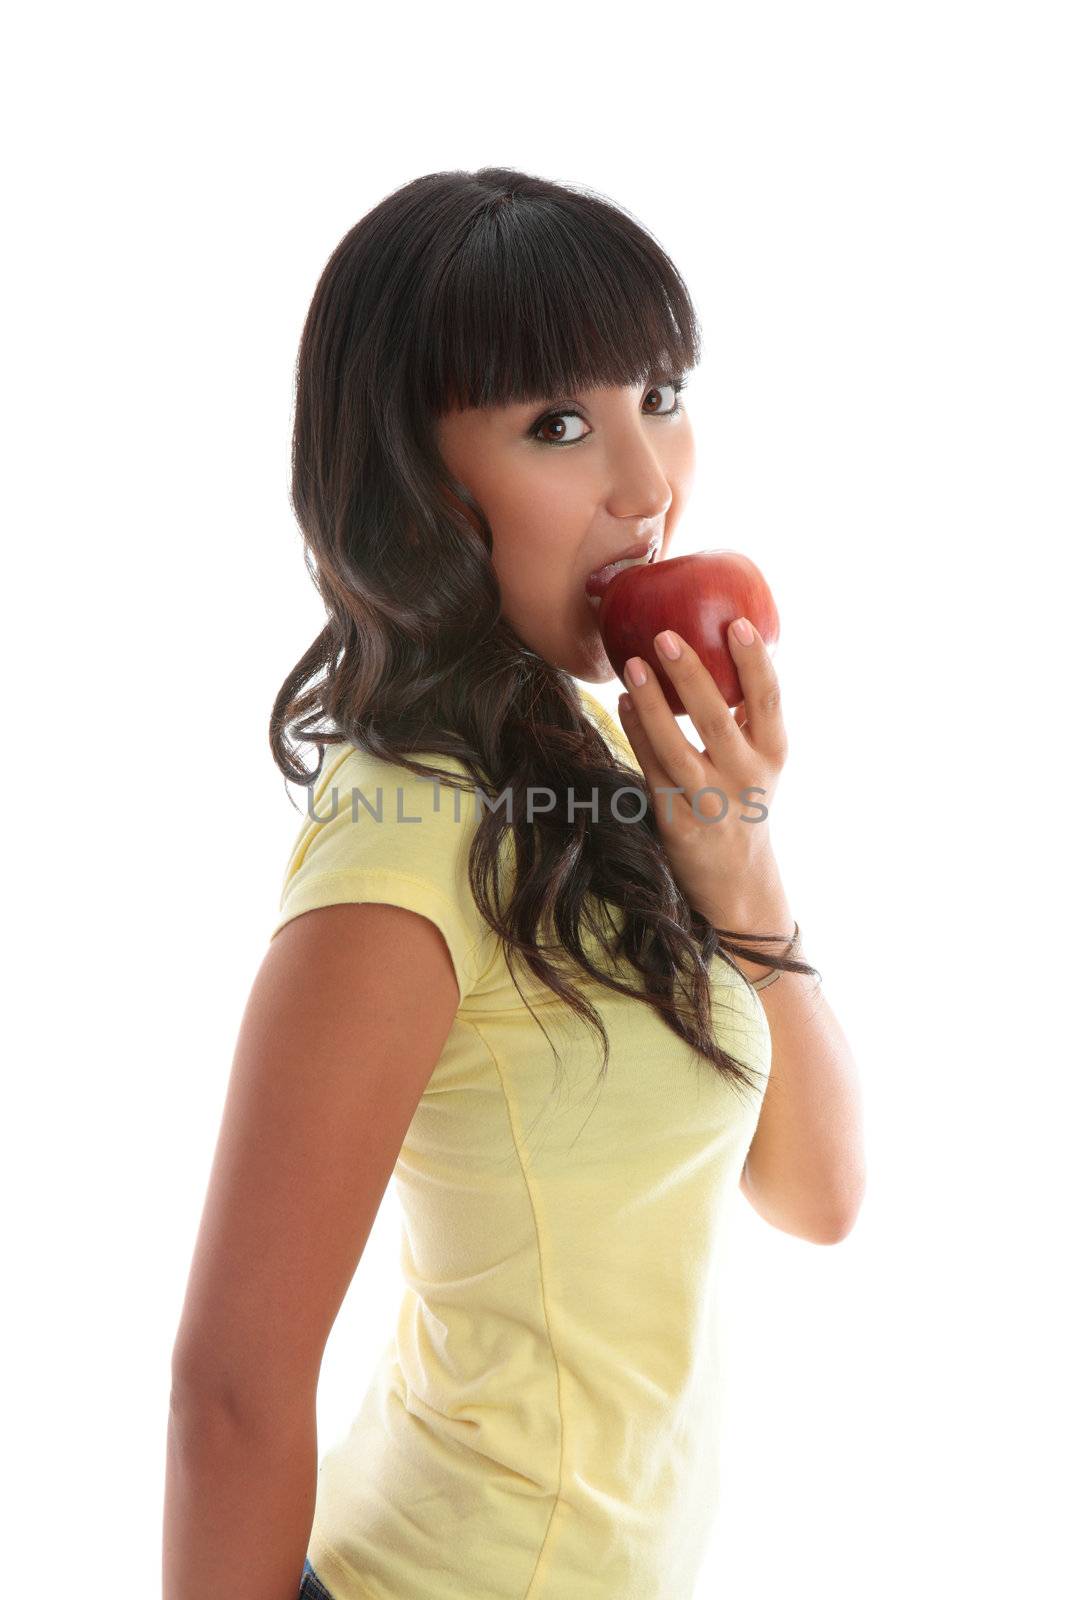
{"x": 595, "y": 584}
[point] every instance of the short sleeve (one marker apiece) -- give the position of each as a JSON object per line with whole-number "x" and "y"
{"x": 377, "y": 832}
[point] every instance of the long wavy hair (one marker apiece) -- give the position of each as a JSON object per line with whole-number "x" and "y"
{"x": 480, "y": 289}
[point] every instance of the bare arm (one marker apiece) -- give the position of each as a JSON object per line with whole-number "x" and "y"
{"x": 805, "y": 1169}
{"x": 331, "y": 1059}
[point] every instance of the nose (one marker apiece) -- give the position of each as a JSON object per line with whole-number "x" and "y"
{"x": 638, "y": 485}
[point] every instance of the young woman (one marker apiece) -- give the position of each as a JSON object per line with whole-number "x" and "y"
{"x": 511, "y": 969}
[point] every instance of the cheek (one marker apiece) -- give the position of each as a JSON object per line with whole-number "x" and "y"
{"x": 681, "y": 466}
{"x": 538, "y": 524}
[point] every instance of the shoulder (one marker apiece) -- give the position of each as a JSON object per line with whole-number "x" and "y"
{"x": 374, "y": 831}
{"x": 383, "y": 803}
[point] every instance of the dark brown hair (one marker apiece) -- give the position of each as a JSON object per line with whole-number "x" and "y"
{"x": 479, "y": 289}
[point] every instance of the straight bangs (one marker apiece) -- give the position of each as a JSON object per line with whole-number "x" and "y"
{"x": 542, "y": 300}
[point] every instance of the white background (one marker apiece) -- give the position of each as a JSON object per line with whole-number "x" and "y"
{"x": 868, "y": 206}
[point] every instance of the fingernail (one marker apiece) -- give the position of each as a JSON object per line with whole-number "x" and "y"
{"x": 669, "y": 645}
{"x": 635, "y": 671}
{"x": 743, "y": 630}
{"x": 625, "y": 702}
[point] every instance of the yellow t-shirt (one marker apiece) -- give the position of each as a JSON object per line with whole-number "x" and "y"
{"x": 543, "y": 1423}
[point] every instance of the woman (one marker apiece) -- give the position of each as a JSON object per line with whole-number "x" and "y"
{"x": 511, "y": 969}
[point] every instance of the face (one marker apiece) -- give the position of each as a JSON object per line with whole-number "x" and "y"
{"x": 567, "y": 485}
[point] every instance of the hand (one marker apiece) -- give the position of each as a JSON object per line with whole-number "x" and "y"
{"x": 724, "y": 863}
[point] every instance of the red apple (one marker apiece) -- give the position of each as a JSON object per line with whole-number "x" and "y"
{"x": 697, "y": 596}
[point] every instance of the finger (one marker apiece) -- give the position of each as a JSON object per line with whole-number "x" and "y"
{"x": 704, "y": 704}
{"x": 762, "y": 695}
{"x": 685, "y": 768}
{"x": 665, "y": 804}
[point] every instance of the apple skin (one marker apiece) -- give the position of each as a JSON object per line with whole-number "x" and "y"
{"x": 697, "y": 596}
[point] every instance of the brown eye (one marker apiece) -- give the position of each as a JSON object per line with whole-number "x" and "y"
{"x": 556, "y": 423}
{"x": 661, "y": 409}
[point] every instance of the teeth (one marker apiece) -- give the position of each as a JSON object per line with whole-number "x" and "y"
{"x": 632, "y": 561}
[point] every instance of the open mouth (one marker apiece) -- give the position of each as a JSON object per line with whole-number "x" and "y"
{"x": 597, "y": 582}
